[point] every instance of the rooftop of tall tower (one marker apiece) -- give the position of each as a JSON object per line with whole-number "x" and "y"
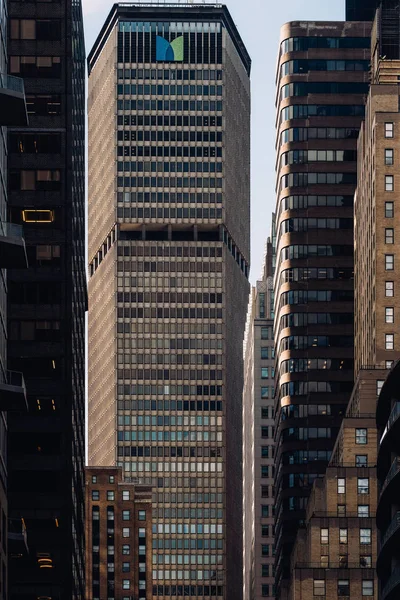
{"x": 169, "y": 11}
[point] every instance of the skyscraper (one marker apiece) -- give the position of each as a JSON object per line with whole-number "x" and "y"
{"x": 12, "y": 255}
{"x": 322, "y": 82}
{"x": 169, "y": 118}
{"x": 258, "y": 439}
{"x": 46, "y": 307}
{"x": 361, "y": 10}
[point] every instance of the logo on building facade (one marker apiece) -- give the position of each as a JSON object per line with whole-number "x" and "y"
{"x": 169, "y": 51}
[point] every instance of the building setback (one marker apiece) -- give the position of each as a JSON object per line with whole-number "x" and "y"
{"x": 169, "y": 118}
{"x": 258, "y": 440}
{"x": 118, "y": 536}
{"x": 46, "y": 302}
{"x": 322, "y": 81}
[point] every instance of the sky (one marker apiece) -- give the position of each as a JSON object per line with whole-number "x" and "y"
{"x": 258, "y": 22}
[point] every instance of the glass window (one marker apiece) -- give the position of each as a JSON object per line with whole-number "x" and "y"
{"x": 341, "y": 485}
{"x": 319, "y": 587}
{"x": 389, "y": 289}
{"x": 361, "y": 460}
{"x": 95, "y": 495}
{"x": 389, "y": 341}
{"x": 111, "y": 479}
{"x": 324, "y": 536}
{"x": 366, "y": 562}
{"x": 363, "y": 510}
{"x": 389, "y": 235}
{"x": 389, "y": 183}
{"x": 365, "y": 535}
{"x": 361, "y": 436}
{"x": 126, "y": 549}
{"x": 264, "y": 570}
{"x": 265, "y": 550}
{"x": 343, "y": 561}
{"x": 264, "y": 352}
{"x": 94, "y": 477}
{"x": 126, "y": 584}
{"x": 343, "y": 587}
{"x": 125, "y": 495}
{"x": 343, "y": 536}
{"x": 141, "y": 515}
{"x": 110, "y": 495}
{"x": 265, "y": 412}
{"x": 389, "y": 314}
{"x": 126, "y": 515}
{"x": 264, "y": 373}
{"x": 389, "y": 210}
{"x": 126, "y": 532}
{"x": 264, "y": 392}
{"x": 389, "y": 156}
{"x": 264, "y": 590}
{"x": 389, "y": 262}
{"x": 324, "y": 561}
{"x": 264, "y": 471}
{"x": 341, "y": 510}
{"x": 265, "y": 333}
{"x": 389, "y": 364}
{"x": 367, "y": 588}
{"x": 389, "y": 130}
{"x": 363, "y": 485}
{"x": 126, "y": 567}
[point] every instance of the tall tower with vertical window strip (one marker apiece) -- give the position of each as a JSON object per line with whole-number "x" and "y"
{"x": 169, "y": 219}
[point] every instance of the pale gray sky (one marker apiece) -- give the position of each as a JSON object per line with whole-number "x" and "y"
{"x": 258, "y": 22}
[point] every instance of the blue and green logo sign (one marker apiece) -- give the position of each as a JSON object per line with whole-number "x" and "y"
{"x": 169, "y": 51}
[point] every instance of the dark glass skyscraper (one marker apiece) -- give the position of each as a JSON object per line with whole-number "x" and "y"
{"x": 47, "y": 301}
{"x": 169, "y": 237}
{"x": 361, "y": 10}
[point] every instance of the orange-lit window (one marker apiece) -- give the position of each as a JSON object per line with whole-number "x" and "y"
{"x": 37, "y": 216}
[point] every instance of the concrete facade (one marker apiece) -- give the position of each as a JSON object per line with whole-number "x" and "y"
{"x": 169, "y": 260}
{"x": 258, "y": 440}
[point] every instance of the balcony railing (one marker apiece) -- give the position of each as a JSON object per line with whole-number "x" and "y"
{"x": 14, "y": 84}
{"x": 393, "y": 582}
{"x": 394, "y": 525}
{"x": 394, "y": 469}
{"x": 394, "y": 415}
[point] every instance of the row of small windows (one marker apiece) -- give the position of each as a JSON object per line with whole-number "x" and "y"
{"x": 303, "y": 457}
{"x": 303, "y": 342}
{"x": 308, "y": 433}
{"x": 187, "y": 559}
{"x": 186, "y": 390}
{"x": 166, "y": 213}
{"x": 168, "y": 166}
{"x": 36, "y": 66}
{"x": 296, "y": 44}
{"x": 170, "y": 297}
{"x": 186, "y": 543}
{"x": 300, "y": 88}
{"x": 306, "y": 296}
{"x": 293, "y": 319}
{"x": 307, "y": 274}
{"x": 171, "y": 74}
{"x": 306, "y": 224}
{"x": 171, "y": 436}
{"x": 162, "y": 182}
{"x": 171, "y": 151}
{"x": 306, "y": 65}
{"x": 188, "y": 528}
{"x": 173, "y": 405}
{"x": 170, "y": 121}
{"x": 310, "y": 250}
{"x": 302, "y": 388}
{"x": 169, "y": 313}
{"x": 343, "y": 587}
{"x": 166, "y": 267}
{"x": 303, "y": 134}
{"x": 304, "y": 111}
{"x": 303, "y": 365}
{"x": 168, "y": 90}
{"x": 154, "y": 135}
{"x": 306, "y": 179}
{"x": 173, "y": 452}
{"x": 192, "y": 251}
{"x": 300, "y": 411}
{"x": 194, "y": 591}
{"x": 167, "y": 420}
{"x": 362, "y": 485}
{"x": 211, "y": 106}
{"x": 301, "y": 480}
{"x": 365, "y": 535}
{"x": 301, "y": 202}
{"x": 299, "y": 157}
